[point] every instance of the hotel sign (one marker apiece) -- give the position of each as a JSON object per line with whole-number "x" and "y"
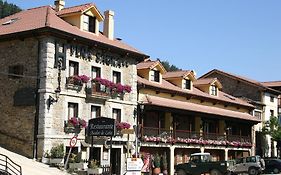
{"x": 101, "y": 126}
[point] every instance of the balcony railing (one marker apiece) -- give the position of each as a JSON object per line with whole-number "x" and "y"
{"x": 100, "y": 91}
{"x": 150, "y": 134}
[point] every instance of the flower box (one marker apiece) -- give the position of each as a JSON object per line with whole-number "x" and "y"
{"x": 56, "y": 161}
{"x": 79, "y": 166}
{"x": 94, "y": 171}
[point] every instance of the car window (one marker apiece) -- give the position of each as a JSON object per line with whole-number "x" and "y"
{"x": 251, "y": 159}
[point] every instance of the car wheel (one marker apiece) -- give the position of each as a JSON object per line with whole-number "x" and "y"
{"x": 252, "y": 171}
{"x": 181, "y": 172}
{"x": 215, "y": 172}
{"x": 275, "y": 170}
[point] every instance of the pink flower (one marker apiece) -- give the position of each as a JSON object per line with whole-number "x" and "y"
{"x": 84, "y": 78}
{"x": 123, "y": 125}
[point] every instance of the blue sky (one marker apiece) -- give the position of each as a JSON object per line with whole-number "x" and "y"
{"x": 237, "y": 36}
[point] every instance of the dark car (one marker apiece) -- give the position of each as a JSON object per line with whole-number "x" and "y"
{"x": 272, "y": 165}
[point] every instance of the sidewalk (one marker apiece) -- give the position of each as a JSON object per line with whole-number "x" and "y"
{"x": 30, "y": 166}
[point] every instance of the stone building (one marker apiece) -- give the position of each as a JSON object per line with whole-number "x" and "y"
{"x": 180, "y": 115}
{"x": 48, "y": 57}
{"x": 263, "y": 97}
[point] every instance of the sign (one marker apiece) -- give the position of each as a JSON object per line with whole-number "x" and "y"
{"x": 134, "y": 164}
{"x": 73, "y": 141}
{"x": 133, "y": 173}
{"x": 101, "y": 126}
{"x": 127, "y": 131}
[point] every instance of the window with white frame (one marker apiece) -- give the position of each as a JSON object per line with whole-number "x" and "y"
{"x": 89, "y": 23}
{"x": 73, "y": 68}
{"x": 187, "y": 84}
{"x": 116, "y": 114}
{"x": 95, "y": 111}
{"x": 155, "y": 75}
{"x": 72, "y": 110}
{"x": 116, "y": 77}
{"x": 214, "y": 90}
{"x": 271, "y": 113}
{"x": 96, "y": 72}
{"x": 257, "y": 114}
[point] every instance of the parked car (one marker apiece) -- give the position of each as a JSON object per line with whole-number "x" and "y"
{"x": 252, "y": 165}
{"x": 272, "y": 165}
{"x": 201, "y": 163}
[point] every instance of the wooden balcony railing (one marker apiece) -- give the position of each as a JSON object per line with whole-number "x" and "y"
{"x": 99, "y": 91}
{"x": 150, "y": 134}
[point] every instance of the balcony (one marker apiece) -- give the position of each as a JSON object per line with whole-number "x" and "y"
{"x": 158, "y": 135}
{"x": 74, "y": 83}
{"x": 98, "y": 91}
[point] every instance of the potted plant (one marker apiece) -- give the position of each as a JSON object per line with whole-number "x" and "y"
{"x": 156, "y": 164}
{"x": 94, "y": 167}
{"x": 57, "y": 154}
{"x": 75, "y": 125}
{"x": 75, "y": 162}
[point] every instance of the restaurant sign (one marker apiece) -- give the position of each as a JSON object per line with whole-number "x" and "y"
{"x": 101, "y": 126}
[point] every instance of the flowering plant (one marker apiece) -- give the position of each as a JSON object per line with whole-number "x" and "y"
{"x": 123, "y": 125}
{"x": 114, "y": 87}
{"x": 84, "y": 78}
{"x": 79, "y": 79}
{"x": 77, "y": 122}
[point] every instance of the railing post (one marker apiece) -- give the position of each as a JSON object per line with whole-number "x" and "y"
{"x": 6, "y": 167}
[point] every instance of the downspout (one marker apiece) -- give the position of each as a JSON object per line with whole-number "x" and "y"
{"x": 37, "y": 104}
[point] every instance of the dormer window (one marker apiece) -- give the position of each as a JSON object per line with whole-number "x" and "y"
{"x": 214, "y": 90}
{"x": 187, "y": 84}
{"x": 155, "y": 76}
{"x": 89, "y": 23}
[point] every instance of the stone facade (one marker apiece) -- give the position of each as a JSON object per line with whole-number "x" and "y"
{"x": 17, "y": 115}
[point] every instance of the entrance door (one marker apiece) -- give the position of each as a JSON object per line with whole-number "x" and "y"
{"x": 115, "y": 161}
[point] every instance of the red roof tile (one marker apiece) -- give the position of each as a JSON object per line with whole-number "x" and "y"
{"x": 169, "y": 103}
{"x": 272, "y": 83}
{"x": 75, "y": 9}
{"x": 176, "y": 74}
{"x": 147, "y": 64}
{"x": 45, "y": 17}
{"x": 165, "y": 85}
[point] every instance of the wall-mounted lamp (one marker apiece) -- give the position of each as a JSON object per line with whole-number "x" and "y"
{"x": 52, "y": 100}
{"x": 141, "y": 107}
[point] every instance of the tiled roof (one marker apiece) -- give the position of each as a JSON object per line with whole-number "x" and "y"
{"x": 204, "y": 81}
{"x": 45, "y": 18}
{"x": 176, "y": 74}
{"x": 75, "y": 9}
{"x": 165, "y": 85}
{"x": 169, "y": 103}
{"x": 147, "y": 64}
{"x": 272, "y": 83}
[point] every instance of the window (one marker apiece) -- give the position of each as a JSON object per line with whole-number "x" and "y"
{"x": 155, "y": 76}
{"x": 89, "y": 23}
{"x": 95, "y": 111}
{"x": 116, "y": 77}
{"x": 73, "y": 68}
{"x": 116, "y": 114}
{"x": 96, "y": 72}
{"x": 72, "y": 110}
{"x": 271, "y": 99}
{"x": 271, "y": 112}
{"x": 15, "y": 71}
{"x": 187, "y": 84}
{"x": 214, "y": 90}
{"x": 257, "y": 114}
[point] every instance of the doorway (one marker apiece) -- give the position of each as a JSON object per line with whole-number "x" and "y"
{"x": 115, "y": 161}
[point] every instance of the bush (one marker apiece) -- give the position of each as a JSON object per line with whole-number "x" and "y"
{"x": 57, "y": 151}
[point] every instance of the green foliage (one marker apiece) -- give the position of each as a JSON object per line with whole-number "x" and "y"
{"x": 164, "y": 161}
{"x": 94, "y": 164}
{"x": 157, "y": 161}
{"x": 273, "y": 128}
{"x": 57, "y": 151}
{"x": 169, "y": 67}
{"x": 7, "y": 9}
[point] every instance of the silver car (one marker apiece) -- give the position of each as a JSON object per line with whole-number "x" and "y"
{"x": 252, "y": 165}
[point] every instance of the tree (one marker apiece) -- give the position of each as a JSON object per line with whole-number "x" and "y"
{"x": 169, "y": 67}
{"x": 7, "y": 9}
{"x": 273, "y": 128}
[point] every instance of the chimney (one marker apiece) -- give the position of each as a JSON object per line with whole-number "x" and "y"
{"x": 108, "y": 24}
{"x": 59, "y": 4}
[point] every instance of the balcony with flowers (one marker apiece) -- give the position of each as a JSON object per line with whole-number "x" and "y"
{"x": 74, "y": 125}
{"x": 76, "y": 82}
{"x": 105, "y": 89}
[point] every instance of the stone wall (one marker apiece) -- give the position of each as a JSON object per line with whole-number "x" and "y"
{"x": 17, "y": 99}
{"x": 238, "y": 88}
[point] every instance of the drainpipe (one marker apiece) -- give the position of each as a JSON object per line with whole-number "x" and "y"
{"x": 37, "y": 104}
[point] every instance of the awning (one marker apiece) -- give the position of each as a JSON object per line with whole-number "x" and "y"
{"x": 169, "y": 103}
